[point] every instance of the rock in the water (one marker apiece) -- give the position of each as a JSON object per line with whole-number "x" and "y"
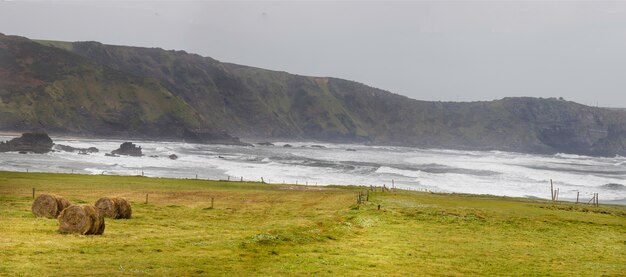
{"x": 266, "y": 143}
{"x": 317, "y": 146}
{"x": 68, "y": 148}
{"x": 287, "y": 145}
{"x": 39, "y": 143}
{"x": 173, "y": 157}
{"x": 110, "y": 155}
{"x": 211, "y": 136}
{"x": 128, "y": 149}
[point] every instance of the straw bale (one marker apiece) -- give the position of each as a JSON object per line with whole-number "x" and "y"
{"x": 114, "y": 207}
{"x": 123, "y": 208}
{"x": 49, "y": 205}
{"x": 81, "y": 219}
{"x": 107, "y": 206}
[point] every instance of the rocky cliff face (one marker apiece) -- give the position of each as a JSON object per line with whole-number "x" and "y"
{"x": 95, "y": 89}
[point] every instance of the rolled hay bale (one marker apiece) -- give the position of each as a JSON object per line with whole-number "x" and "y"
{"x": 107, "y": 207}
{"x": 49, "y": 205}
{"x": 81, "y": 219}
{"x": 114, "y": 207}
{"x": 123, "y": 208}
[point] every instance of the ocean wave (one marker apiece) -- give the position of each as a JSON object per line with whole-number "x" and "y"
{"x": 478, "y": 172}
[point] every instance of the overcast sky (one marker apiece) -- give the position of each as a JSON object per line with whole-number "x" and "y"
{"x": 437, "y": 50}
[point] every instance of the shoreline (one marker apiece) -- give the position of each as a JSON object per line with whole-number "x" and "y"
{"x": 251, "y": 141}
{"x": 365, "y": 166}
{"x": 618, "y": 202}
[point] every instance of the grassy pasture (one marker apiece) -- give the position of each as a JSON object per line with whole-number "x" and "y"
{"x": 262, "y": 229}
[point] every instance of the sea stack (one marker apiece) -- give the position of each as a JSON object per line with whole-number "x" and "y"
{"x": 39, "y": 143}
{"x": 128, "y": 149}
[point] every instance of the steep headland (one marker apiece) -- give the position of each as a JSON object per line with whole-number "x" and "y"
{"x": 89, "y": 88}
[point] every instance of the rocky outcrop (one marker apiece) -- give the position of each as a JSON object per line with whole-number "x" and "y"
{"x": 67, "y": 148}
{"x": 128, "y": 149}
{"x": 211, "y": 137}
{"x": 39, "y": 143}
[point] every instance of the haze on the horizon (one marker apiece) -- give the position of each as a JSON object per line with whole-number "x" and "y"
{"x": 438, "y": 50}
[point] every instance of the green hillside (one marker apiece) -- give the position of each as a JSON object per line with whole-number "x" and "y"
{"x": 151, "y": 91}
{"x": 256, "y": 102}
{"x": 50, "y": 89}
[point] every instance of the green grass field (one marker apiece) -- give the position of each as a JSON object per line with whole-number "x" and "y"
{"x": 262, "y": 229}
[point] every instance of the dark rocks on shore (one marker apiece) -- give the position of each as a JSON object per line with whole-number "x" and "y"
{"x": 287, "y": 145}
{"x": 68, "y": 148}
{"x": 128, "y": 149}
{"x": 39, "y": 143}
{"x": 173, "y": 157}
{"x": 351, "y": 150}
{"x": 317, "y": 146}
{"x": 110, "y": 155}
{"x": 266, "y": 143}
{"x": 211, "y": 136}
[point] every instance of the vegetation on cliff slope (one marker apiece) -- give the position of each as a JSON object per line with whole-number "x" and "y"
{"x": 146, "y": 85}
{"x": 50, "y": 89}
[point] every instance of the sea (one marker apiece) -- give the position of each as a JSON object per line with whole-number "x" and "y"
{"x": 321, "y": 164}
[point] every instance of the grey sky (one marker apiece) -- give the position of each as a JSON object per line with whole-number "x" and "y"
{"x": 451, "y": 51}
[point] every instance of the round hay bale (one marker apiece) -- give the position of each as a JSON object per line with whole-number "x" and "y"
{"x": 114, "y": 207}
{"x": 123, "y": 208}
{"x": 81, "y": 219}
{"x": 62, "y": 203}
{"x": 107, "y": 207}
{"x": 49, "y": 205}
{"x": 97, "y": 219}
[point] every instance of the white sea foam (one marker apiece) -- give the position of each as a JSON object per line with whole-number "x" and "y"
{"x": 478, "y": 172}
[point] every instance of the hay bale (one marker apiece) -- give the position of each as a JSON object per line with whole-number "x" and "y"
{"x": 49, "y": 205}
{"x": 114, "y": 207}
{"x": 123, "y": 208}
{"x": 81, "y": 219}
{"x": 107, "y": 207}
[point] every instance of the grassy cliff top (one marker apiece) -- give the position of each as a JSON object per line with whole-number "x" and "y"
{"x": 263, "y": 229}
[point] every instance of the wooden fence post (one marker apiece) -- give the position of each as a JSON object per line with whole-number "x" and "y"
{"x": 33, "y": 193}
{"x": 146, "y": 198}
{"x": 551, "y": 190}
{"x": 211, "y": 202}
{"x": 557, "y": 195}
{"x": 577, "y": 194}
